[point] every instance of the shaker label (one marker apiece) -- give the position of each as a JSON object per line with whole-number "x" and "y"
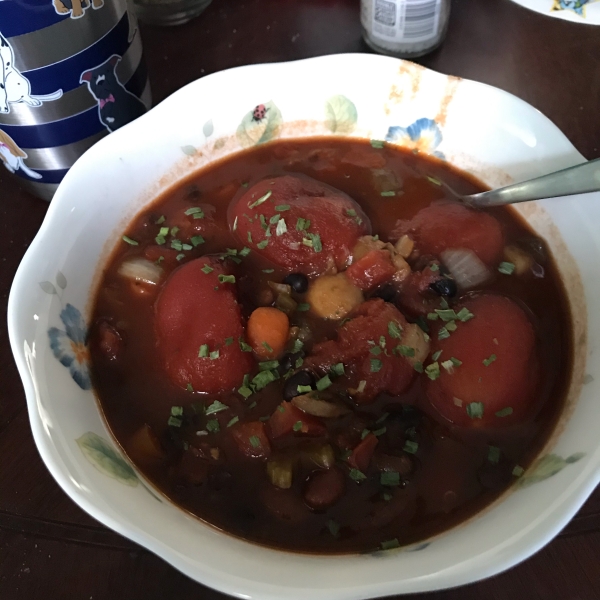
{"x": 406, "y": 20}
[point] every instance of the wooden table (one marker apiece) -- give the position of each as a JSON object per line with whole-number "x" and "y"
{"x": 51, "y": 549}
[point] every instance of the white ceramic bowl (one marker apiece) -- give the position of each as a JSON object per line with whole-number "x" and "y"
{"x": 483, "y": 130}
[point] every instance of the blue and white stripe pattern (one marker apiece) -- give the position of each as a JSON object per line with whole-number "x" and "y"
{"x": 71, "y": 71}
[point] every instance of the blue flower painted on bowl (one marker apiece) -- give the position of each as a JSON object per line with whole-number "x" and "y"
{"x": 70, "y": 346}
{"x": 577, "y": 6}
{"x": 423, "y": 135}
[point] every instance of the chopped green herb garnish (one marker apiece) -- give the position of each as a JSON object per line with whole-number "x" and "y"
{"x": 268, "y": 365}
{"x": 245, "y": 184}
{"x": 446, "y": 314}
{"x": 174, "y": 421}
{"x": 262, "y": 245}
{"x": 493, "y": 454}
{"x": 410, "y": 447}
{"x": 404, "y": 350}
{"x": 267, "y": 347}
{"x": 254, "y": 441}
{"x": 390, "y": 478}
{"x": 130, "y": 241}
{"x": 302, "y": 224}
{"x": 249, "y": 237}
{"x": 434, "y": 180}
{"x": 455, "y": 361}
{"x": 451, "y": 326}
{"x": 233, "y": 421}
{"x": 228, "y": 341}
{"x": 189, "y": 387}
{"x": 504, "y": 412}
{"x": 448, "y": 365}
{"x": 376, "y": 350}
{"x": 160, "y": 220}
{"x": 382, "y": 418}
{"x": 214, "y": 355}
{"x": 323, "y": 383}
{"x": 176, "y": 244}
{"x": 518, "y": 471}
{"x": 203, "y": 352}
{"x": 377, "y": 144}
{"x": 252, "y": 405}
{"x": 281, "y": 227}
{"x": 235, "y": 222}
{"x": 299, "y": 362}
{"x": 386, "y": 496}
{"x": 388, "y": 194}
{"x": 362, "y": 384}
{"x": 506, "y": 268}
{"x": 179, "y": 257}
{"x": 338, "y": 369}
{"x": 274, "y": 219}
{"x": 364, "y": 433}
{"x": 226, "y": 278}
{"x": 376, "y": 365}
{"x": 390, "y": 544}
{"x": 334, "y": 527}
{"x": 488, "y": 361}
{"x": 418, "y": 366}
{"x": 282, "y": 207}
{"x": 213, "y": 426}
{"x": 380, "y": 431}
{"x": 395, "y": 330}
{"x": 436, "y": 355}
{"x": 176, "y": 411}
{"x": 433, "y": 316}
{"x": 260, "y": 200}
{"x": 262, "y": 379}
{"x": 433, "y": 371}
{"x": 351, "y": 212}
{"x": 197, "y": 240}
{"x": 216, "y": 407}
{"x": 243, "y": 346}
{"x": 245, "y": 251}
{"x": 303, "y": 307}
{"x": 268, "y": 271}
{"x": 245, "y": 391}
{"x": 304, "y": 389}
{"x": 434, "y": 267}
{"x": 174, "y": 230}
{"x": 297, "y": 426}
{"x": 357, "y": 475}
{"x": 443, "y": 333}
{"x": 193, "y": 211}
{"x": 475, "y": 410}
{"x": 464, "y": 314}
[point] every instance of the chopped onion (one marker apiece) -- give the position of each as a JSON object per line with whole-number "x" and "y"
{"x": 141, "y": 270}
{"x": 466, "y": 267}
{"x": 280, "y": 288}
{"x": 318, "y": 408}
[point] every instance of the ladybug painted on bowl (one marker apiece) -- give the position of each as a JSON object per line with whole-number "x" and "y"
{"x": 259, "y": 113}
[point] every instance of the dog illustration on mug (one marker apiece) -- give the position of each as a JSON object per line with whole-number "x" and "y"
{"x": 13, "y": 157}
{"x": 14, "y": 87}
{"x": 116, "y": 105}
{"x": 75, "y": 8}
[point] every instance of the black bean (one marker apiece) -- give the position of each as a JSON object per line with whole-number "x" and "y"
{"x": 297, "y": 281}
{"x": 444, "y": 287}
{"x": 288, "y": 361}
{"x": 290, "y": 389}
{"x": 386, "y": 292}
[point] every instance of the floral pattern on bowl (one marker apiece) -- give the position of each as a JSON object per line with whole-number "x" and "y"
{"x": 578, "y": 11}
{"x": 381, "y": 99}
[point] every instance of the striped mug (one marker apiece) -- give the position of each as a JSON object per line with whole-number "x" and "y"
{"x": 71, "y": 72}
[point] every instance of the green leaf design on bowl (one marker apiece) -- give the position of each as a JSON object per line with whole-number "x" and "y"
{"x": 208, "y": 128}
{"x": 547, "y": 466}
{"x": 340, "y": 114}
{"x": 261, "y": 124}
{"x": 188, "y": 150}
{"x": 103, "y": 456}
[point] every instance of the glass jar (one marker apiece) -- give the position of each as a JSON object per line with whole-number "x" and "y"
{"x": 404, "y": 28}
{"x": 169, "y": 12}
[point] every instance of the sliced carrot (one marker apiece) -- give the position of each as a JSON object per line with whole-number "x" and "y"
{"x": 268, "y": 331}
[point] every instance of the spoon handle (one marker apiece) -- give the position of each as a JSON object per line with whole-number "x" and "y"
{"x": 574, "y": 180}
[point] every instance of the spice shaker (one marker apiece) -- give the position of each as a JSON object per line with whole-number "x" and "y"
{"x": 71, "y": 72}
{"x": 404, "y": 28}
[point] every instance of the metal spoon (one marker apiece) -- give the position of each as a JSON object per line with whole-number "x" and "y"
{"x": 574, "y": 180}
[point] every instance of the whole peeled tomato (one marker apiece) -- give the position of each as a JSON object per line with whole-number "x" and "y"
{"x": 298, "y": 223}
{"x": 445, "y": 225}
{"x": 492, "y": 385}
{"x": 196, "y": 315}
